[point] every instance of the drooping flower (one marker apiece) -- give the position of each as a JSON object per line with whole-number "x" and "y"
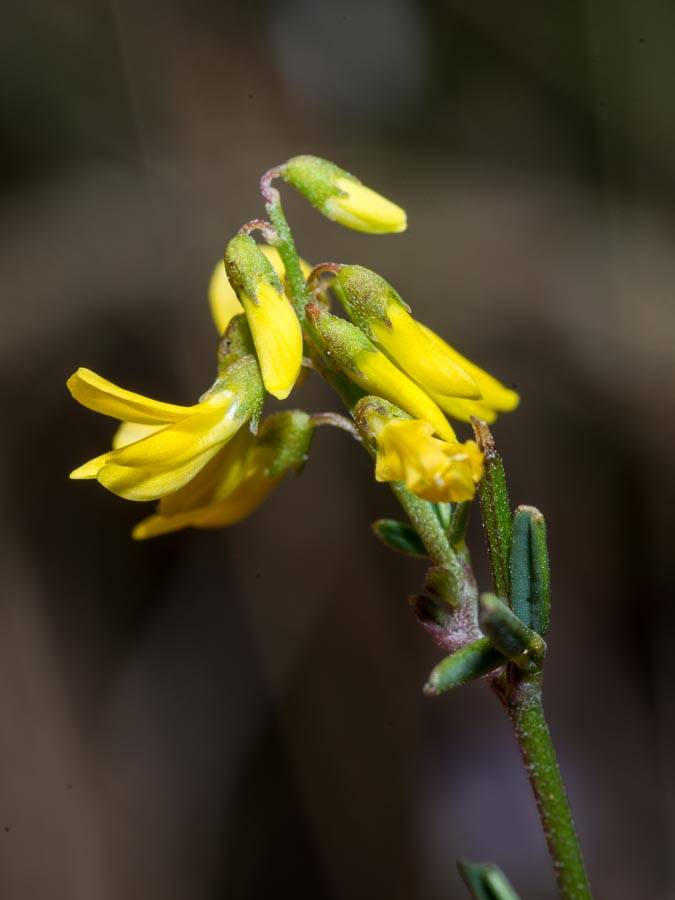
{"x": 237, "y": 480}
{"x": 341, "y": 197}
{"x": 160, "y": 447}
{"x": 274, "y": 325}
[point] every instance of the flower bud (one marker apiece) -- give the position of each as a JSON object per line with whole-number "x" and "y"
{"x": 275, "y": 328}
{"x": 341, "y": 197}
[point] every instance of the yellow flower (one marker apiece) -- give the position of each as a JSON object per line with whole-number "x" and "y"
{"x": 160, "y": 447}
{"x": 274, "y": 326}
{"x": 222, "y": 297}
{"x": 435, "y": 470}
{"x": 237, "y": 480}
{"x": 341, "y": 197}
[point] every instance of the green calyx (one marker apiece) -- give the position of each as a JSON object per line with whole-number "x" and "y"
{"x": 235, "y": 343}
{"x": 247, "y": 267}
{"x": 366, "y": 296}
{"x": 315, "y": 178}
{"x": 244, "y": 380}
{"x": 288, "y": 434}
{"x": 341, "y": 341}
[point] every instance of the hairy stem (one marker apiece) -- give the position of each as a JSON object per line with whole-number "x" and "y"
{"x": 523, "y": 701}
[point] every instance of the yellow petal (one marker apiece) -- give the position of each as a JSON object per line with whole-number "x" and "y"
{"x": 237, "y": 506}
{"x": 222, "y": 298}
{"x": 152, "y": 482}
{"x": 364, "y": 210}
{"x": 90, "y": 469}
{"x": 210, "y": 425}
{"x": 494, "y": 394}
{"x": 379, "y": 376}
{"x": 277, "y": 338}
{"x": 107, "y": 398}
{"x": 462, "y": 410}
{"x": 435, "y": 470}
{"x": 423, "y": 355}
{"x": 128, "y": 432}
{"x": 217, "y": 479}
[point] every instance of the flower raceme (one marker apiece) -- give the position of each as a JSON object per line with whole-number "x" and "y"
{"x": 160, "y": 447}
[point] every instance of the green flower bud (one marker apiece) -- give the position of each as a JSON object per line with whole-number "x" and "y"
{"x": 341, "y": 197}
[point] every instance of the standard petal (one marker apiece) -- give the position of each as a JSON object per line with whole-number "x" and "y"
{"x": 278, "y": 339}
{"x": 107, "y": 398}
{"x": 423, "y": 355}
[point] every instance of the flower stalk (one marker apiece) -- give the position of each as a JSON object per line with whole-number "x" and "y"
{"x": 522, "y": 698}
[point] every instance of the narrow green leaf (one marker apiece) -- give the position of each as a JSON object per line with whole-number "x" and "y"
{"x": 486, "y": 881}
{"x": 443, "y": 583}
{"x": 444, "y": 511}
{"x": 460, "y": 519}
{"x": 470, "y": 662}
{"x": 521, "y": 568}
{"x": 509, "y": 635}
{"x": 530, "y": 577}
{"x": 541, "y": 575}
{"x": 431, "y": 612}
{"x": 495, "y": 510}
{"x": 399, "y": 536}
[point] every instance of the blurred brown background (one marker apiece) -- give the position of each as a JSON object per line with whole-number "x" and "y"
{"x": 239, "y": 714}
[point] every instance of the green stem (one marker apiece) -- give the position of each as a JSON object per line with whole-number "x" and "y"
{"x": 523, "y": 701}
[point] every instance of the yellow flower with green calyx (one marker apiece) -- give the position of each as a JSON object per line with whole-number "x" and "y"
{"x": 378, "y": 310}
{"x": 222, "y": 297}
{"x": 353, "y": 353}
{"x": 274, "y": 326}
{"x": 237, "y": 480}
{"x": 433, "y": 469}
{"x": 160, "y": 447}
{"x": 341, "y": 197}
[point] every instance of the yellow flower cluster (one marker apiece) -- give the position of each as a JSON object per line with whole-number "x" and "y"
{"x": 209, "y": 464}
